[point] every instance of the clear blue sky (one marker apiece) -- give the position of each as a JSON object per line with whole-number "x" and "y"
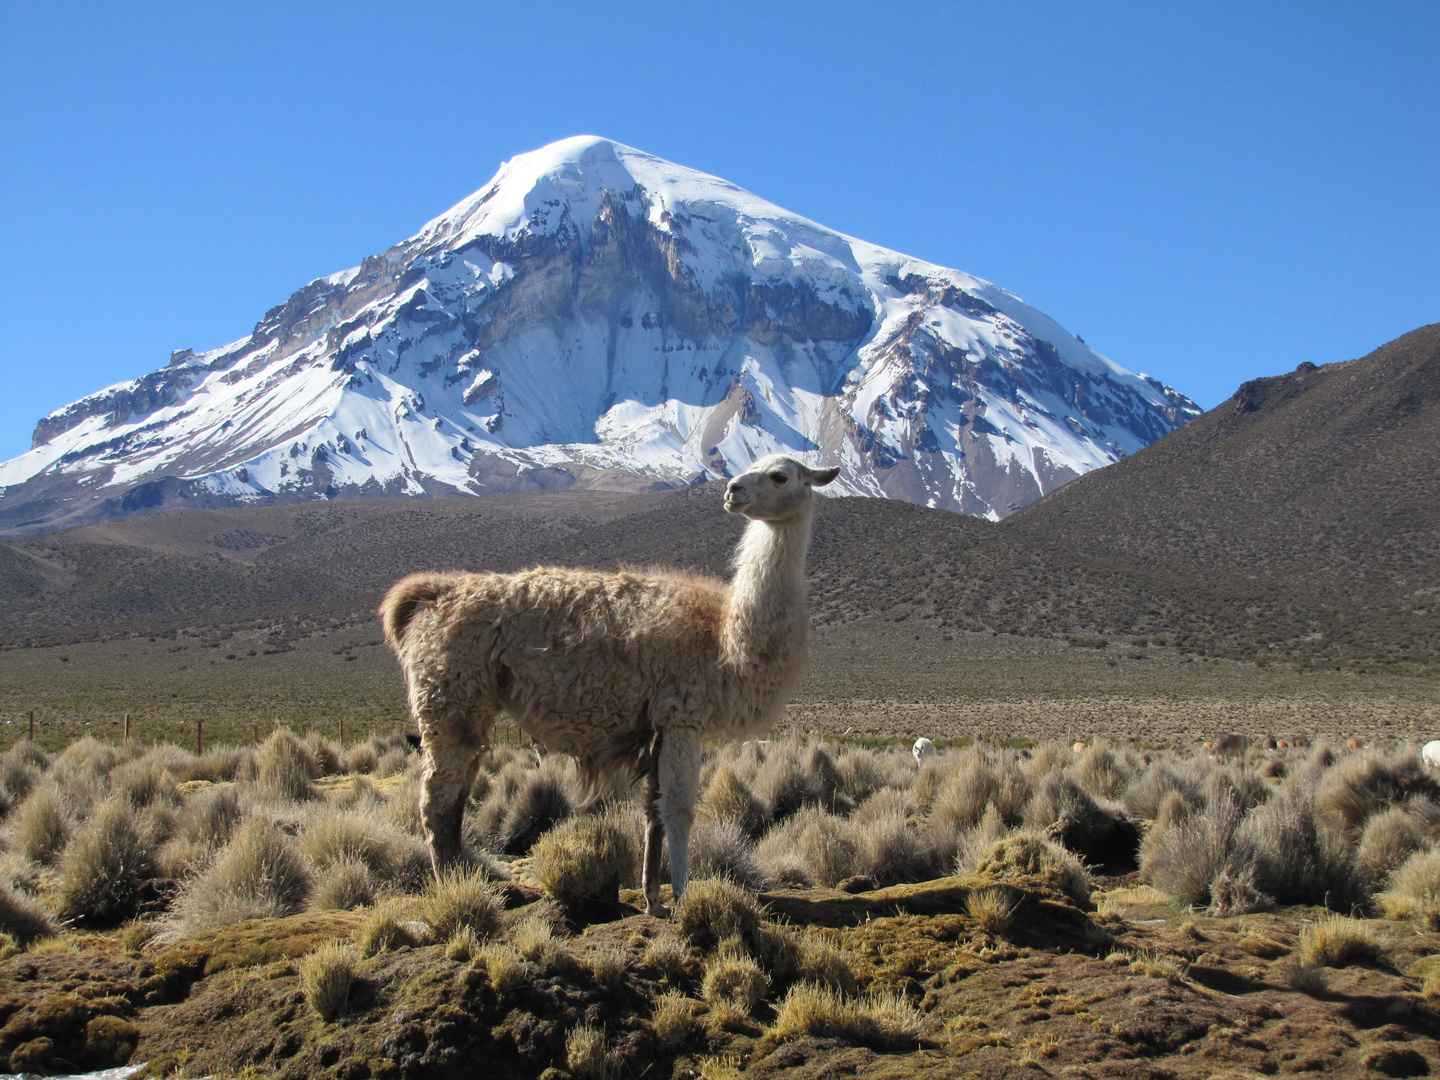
{"x": 1205, "y": 192}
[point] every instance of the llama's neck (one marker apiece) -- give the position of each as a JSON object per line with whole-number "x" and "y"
{"x": 768, "y": 623}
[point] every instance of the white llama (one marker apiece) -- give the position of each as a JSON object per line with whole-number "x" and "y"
{"x": 625, "y": 671}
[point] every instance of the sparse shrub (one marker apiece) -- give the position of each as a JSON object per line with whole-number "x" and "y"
{"x": 818, "y": 840}
{"x": 541, "y": 802}
{"x": 22, "y": 917}
{"x": 258, "y": 874}
{"x": 1297, "y": 860}
{"x": 1245, "y": 789}
{"x": 41, "y": 827}
{"x": 825, "y": 964}
{"x": 1030, "y": 855}
{"x": 583, "y": 859}
{"x": 860, "y": 774}
{"x": 1413, "y": 891}
{"x": 930, "y": 777}
{"x": 180, "y": 858}
{"x": 17, "y": 776}
{"x": 587, "y": 1056}
{"x": 503, "y": 966}
{"x": 1144, "y": 794}
{"x": 325, "y": 754}
{"x": 284, "y": 769}
{"x": 734, "y": 978}
{"x": 326, "y": 976}
{"x": 778, "y": 952}
{"x": 463, "y": 945}
{"x": 1391, "y": 836}
{"x": 608, "y": 965}
{"x": 342, "y": 885}
{"x": 145, "y": 782}
{"x": 137, "y": 935}
{"x": 885, "y": 1020}
{"x": 361, "y": 758}
{"x": 1338, "y": 940}
{"x": 668, "y": 957}
{"x": 209, "y": 816}
{"x": 714, "y": 910}
{"x": 1362, "y": 785}
{"x": 392, "y": 762}
{"x": 973, "y": 844}
{"x": 884, "y": 803}
{"x": 784, "y": 786}
{"x": 674, "y": 1021}
{"x": 384, "y": 932}
{"x": 1100, "y": 772}
{"x": 1044, "y": 759}
{"x": 992, "y": 909}
{"x": 1306, "y": 978}
{"x": 727, "y": 798}
{"x": 221, "y": 763}
{"x": 889, "y": 851}
{"x": 101, "y": 870}
{"x": 459, "y": 898}
{"x": 364, "y": 835}
{"x": 963, "y": 795}
{"x": 534, "y": 939}
{"x": 1234, "y": 892}
{"x": 1188, "y": 856}
{"x": 1103, "y": 835}
{"x": 720, "y": 847}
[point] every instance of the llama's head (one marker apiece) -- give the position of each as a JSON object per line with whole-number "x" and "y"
{"x": 775, "y": 488}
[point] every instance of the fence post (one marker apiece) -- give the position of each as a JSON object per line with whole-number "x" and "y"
{"x": 127, "y": 727}
{"x": 342, "y": 733}
{"x": 199, "y": 738}
{"x": 255, "y": 724}
{"x": 32, "y": 725}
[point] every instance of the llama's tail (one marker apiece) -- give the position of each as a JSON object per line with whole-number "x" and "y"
{"x": 405, "y": 597}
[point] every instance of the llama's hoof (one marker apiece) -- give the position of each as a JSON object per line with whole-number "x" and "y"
{"x": 657, "y": 909}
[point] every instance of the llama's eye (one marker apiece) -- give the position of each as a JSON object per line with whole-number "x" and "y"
{"x": 779, "y": 477}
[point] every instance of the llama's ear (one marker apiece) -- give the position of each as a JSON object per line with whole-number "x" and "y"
{"x": 821, "y": 477}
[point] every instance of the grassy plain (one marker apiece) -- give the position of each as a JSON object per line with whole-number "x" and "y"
{"x": 883, "y": 678}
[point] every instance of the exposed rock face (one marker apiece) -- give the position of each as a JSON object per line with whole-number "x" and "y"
{"x": 599, "y": 317}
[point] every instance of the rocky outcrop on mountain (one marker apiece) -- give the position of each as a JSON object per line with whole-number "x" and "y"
{"x": 597, "y": 317}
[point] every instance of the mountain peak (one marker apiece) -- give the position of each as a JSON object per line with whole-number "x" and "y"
{"x": 600, "y": 317}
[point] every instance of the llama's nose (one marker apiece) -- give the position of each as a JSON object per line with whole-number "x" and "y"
{"x": 732, "y": 487}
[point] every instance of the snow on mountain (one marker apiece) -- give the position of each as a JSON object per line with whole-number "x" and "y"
{"x": 598, "y": 317}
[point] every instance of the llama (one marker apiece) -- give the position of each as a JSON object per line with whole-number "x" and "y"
{"x": 624, "y": 671}
{"x": 923, "y": 749}
{"x": 1430, "y": 754}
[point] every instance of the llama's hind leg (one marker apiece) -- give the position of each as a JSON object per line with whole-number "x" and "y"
{"x": 654, "y": 839}
{"x": 679, "y": 774}
{"x": 452, "y": 758}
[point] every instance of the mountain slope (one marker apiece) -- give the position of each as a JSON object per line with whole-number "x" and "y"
{"x": 597, "y": 317}
{"x": 1320, "y": 489}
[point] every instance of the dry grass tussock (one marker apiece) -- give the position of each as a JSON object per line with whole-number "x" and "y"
{"x": 104, "y": 865}
{"x": 585, "y": 858}
{"x": 326, "y": 976}
{"x": 257, "y": 875}
{"x": 460, "y": 898}
{"x": 713, "y": 911}
{"x": 1338, "y": 940}
{"x": 884, "y": 1020}
{"x": 1413, "y": 889}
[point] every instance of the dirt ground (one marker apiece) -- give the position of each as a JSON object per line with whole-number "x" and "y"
{"x": 1135, "y": 988}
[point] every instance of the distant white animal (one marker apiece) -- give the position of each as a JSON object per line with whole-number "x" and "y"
{"x": 1430, "y": 754}
{"x": 923, "y": 748}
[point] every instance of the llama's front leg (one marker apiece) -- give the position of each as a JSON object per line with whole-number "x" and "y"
{"x": 679, "y": 773}
{"x": 654, "y": 839}
{"x": 452, "y": 758}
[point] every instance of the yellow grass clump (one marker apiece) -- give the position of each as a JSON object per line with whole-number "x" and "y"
{"x": 326, "y": 976}
{"x": 884, "y": 1020}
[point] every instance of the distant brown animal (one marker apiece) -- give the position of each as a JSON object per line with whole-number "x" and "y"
{"x": 1270, "y": 743}
{"x": 1078, "y": 748}
{"x": 625, "y": 671}
{"x": 1230, "y": 745}
{"x": 1354, "y": 743}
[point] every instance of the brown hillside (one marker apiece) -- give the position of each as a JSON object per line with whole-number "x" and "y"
{"x": 1315, "y": 496}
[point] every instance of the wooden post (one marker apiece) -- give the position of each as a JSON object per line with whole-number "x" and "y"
{"x": 342, "y": 733}
{"x": 32, "y": 725}
{"x": 127, "y": 727}
{"x": 256, "y": 726}
{"x": 199, "y": 738}
{"x": 304, "y": 729}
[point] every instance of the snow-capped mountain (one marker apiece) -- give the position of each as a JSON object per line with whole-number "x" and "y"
{"x": 595, "y": 316}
